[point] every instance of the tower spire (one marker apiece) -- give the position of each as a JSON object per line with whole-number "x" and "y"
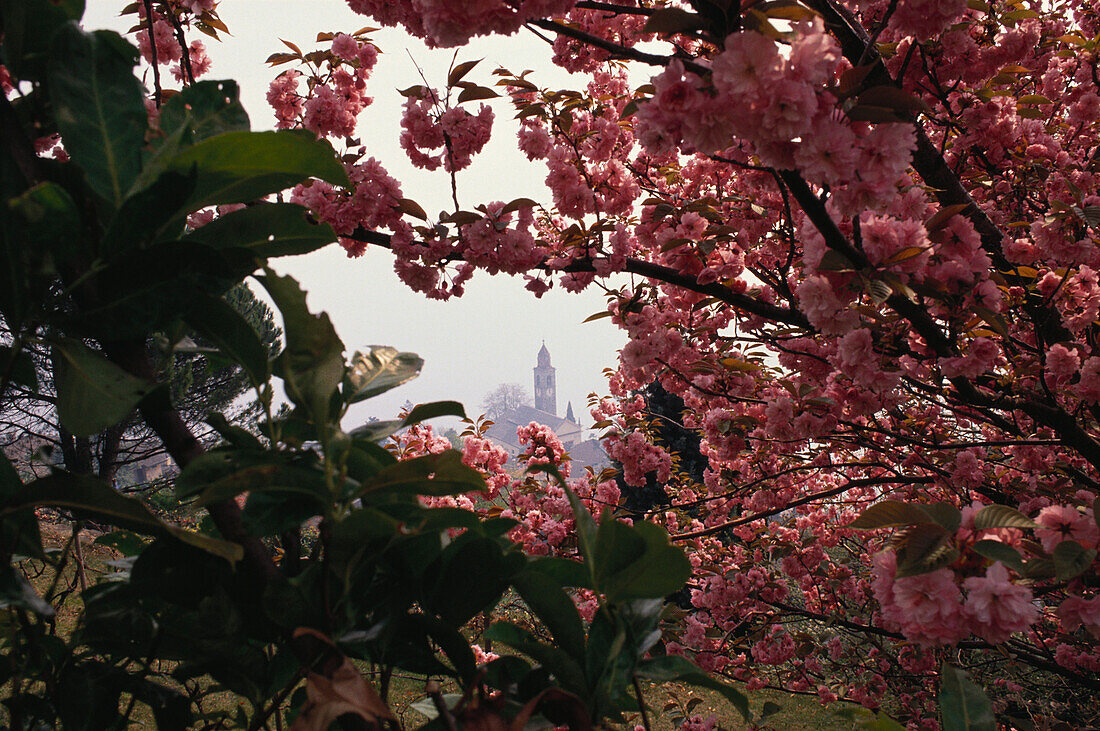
{"x": 546, "y": 388}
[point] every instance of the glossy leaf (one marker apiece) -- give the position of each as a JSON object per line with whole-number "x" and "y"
{"x": 238, "y": 167}
{"x": 204, "y": 109}
{"x": 92, "y": 392}
{"x": 1001, "y": 516}
{"x": 267, "y": 230}
{"x": 997, "y": 551}
{"x": 554, "y": 608}
{"x": 379, "y": 370}
{"x": 312, "y": 363}
{"x": 889, "y": 514}
{"x": 1072, "y": 559}
{"x": 98, "y": 105}
{"x": 963, "y": 705}
{"x": 432, "y": 474}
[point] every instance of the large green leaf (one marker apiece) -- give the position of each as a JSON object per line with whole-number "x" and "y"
{"x": 238, "y": 167}
{"x": 217, "y": 321}
{"x": 378, "y": 371}
{"x": 963, "y": 705}
{"x": 147, "y": 290}
{"x": 661, "y": 568}
{"x": 93, "y": 498}
{"x": 98, "y": 106}
{"x": 673, "y": 667}
{"x": 223, "y": 474}
{"x": 92, "y": 392}
{"x": 890, "y": 514}
{"x": 473, "y": 574}
{"x": 51, "y": 221}
{"x": 204, "y": 110}
{"x": 29, "y": 26}
{"x": 376, "y": 431}
{"x": 554, "y": 608}
{"x": 266, "y": 229}
{"x": 1001, "y": 516}
{"x": 312, "y": 364}
{"x": 568, "y": 672}
{"x": 432, "y": 474}
{"x": 1072, "y": 559}
{"x": 143, "y": 215}
{"x": 19, "y": 532}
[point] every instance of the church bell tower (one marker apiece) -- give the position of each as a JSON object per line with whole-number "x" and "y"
{"x": 546, "y": 387}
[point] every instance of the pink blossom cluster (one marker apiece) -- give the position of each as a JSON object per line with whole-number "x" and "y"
{"x": 427, "y": 126}
{"x": 448, "y": 24}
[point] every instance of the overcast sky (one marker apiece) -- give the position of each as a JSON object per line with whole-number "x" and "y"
{"x": 490, "y": 335}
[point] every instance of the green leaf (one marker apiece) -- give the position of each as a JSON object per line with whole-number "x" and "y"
{"x": 472, "y": 576}
{"x": 673, "y": 667}
{"x": 564, "y": 571}
{"x": 93, "y": 498}
{"x": 217, "y": 321}
{"x": 944, "y": 514}
{"x": 376, "y": 431}
{"x": 1072, "y": 559}
{"x": 432, "y": 474}
{"x": 19, "y": 532}
{"x": 657, "y": 570}
{"x": 205, "y": 109}
{"x": 19, "y": 365}
{"x": 92, "y": 392}
{"x": 29, "y": 26}
{"x": 434, "y": 410}
{"x": 146, "y": 290}
{"x": 1001, "y": 516}
{"x": 312, "y": 364}
{"x": 144, "y": 214}
{"x": 889, "y": 514}
{"x": 238, "y": 167}
{"x": 267, "y": 230}
{"x": 997, "y": 551}
{"x": 224, "y": 474}
{"x": 51, "y": 220}
{"x": 98, "y": 106}
{"x": 555, "y": 660}
{"x": 125, "y": 542}
{"x": 585, "y": 524}
{"x": 963, "y": 705}
{"x": 554, "y": 608}
{"x": 379, "y": 370}
{"x": 922, "y": 548}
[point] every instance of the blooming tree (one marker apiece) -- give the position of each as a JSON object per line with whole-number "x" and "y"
{"x": 863, "y": 240}
{"x": 861, "y": 236}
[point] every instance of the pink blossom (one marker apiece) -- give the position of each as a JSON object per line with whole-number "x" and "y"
{"x": 995, "y": 607}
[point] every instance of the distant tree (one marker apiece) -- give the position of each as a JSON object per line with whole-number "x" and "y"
{"x": 201, "y": 382}
{"x": 505, "y": 398}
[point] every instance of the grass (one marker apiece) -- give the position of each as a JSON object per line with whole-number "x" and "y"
{"x": 666, "y": 702}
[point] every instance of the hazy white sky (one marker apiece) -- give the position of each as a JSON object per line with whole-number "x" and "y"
{"x": 490, "y": 335}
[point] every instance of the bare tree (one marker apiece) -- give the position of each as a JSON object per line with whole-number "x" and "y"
{"x": 504, "y": 398}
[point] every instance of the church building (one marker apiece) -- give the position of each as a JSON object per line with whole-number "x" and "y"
{"x": 545, "y": 411}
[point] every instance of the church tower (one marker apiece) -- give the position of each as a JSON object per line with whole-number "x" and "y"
{"x": 546, "y": 386}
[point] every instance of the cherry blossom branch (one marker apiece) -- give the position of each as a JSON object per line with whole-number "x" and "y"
{"x": 661, "y": 273}
{"x": 851, "y": 484}
{"x": 606, "y": 45}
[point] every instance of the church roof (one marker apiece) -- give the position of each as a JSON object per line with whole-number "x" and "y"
{"x": 544, "y": 356}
